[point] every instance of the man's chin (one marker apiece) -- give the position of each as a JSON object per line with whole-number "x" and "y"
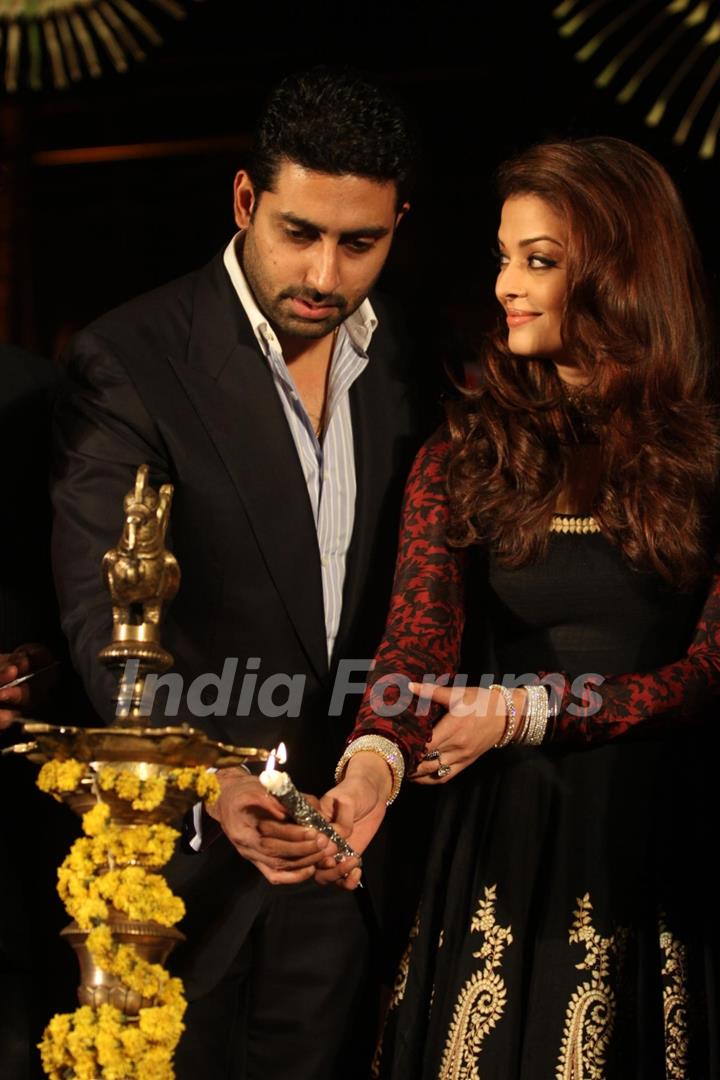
{"x": 308, "y": 328}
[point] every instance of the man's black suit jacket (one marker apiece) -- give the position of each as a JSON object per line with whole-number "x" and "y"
{"x": 176, "y": 379}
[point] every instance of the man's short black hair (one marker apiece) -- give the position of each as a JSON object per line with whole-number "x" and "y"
{"x": 333, "y": 122}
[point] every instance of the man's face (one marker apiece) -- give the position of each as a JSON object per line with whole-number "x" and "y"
{"x": 314, "y": 245}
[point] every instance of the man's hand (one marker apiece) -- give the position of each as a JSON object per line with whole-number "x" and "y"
{"x": 22, "y": 661}
{"x": 258, "y": 828}
{"x": 356, "y": 807}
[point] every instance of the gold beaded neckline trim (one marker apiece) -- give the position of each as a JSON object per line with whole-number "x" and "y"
{"x": 564, "y": 523}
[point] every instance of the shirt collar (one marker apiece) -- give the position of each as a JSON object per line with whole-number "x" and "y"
{"x": 360, "y": 326}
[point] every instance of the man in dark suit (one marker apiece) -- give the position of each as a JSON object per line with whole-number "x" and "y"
{"x": 278, "y": 400}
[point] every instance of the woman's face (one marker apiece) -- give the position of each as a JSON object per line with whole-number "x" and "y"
{"x": 531, "y": 283}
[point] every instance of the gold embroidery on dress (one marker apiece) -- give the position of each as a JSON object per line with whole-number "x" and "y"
{"x": 675, "y": 1004}
{"x": 398, "y": 991}
{"x": 482, "y": 999}
{"x": 590, "y": 1016}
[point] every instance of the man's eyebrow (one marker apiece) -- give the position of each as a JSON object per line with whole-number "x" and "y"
{"x": 374, "y": 232}
{"x": 533, "y": 240}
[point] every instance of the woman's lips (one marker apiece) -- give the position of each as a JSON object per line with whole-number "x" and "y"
{"x": 519, "y": 318}
{"x": 306, "y": 310}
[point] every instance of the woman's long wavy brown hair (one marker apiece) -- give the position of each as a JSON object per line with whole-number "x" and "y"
{"x": 636, "y": 321}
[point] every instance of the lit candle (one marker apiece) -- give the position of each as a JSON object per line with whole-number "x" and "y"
{"x": 280, "y": 785}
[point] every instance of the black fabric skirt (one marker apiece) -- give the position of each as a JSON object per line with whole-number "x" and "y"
{"x": 569, "y": 923}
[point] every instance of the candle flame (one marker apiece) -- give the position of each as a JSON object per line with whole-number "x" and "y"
{"x": 278, "y": 756}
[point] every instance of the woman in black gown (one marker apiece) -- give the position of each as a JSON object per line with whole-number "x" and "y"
{"x": 568, "y": 927}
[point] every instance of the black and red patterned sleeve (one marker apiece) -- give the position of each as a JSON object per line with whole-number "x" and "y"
{"x": 425, "y": 623}
{"x": 674, "y": 693}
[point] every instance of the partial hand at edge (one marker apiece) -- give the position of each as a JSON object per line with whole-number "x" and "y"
{"x": 21, "y": 661}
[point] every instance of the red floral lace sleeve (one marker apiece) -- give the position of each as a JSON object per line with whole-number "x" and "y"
{"x": 425, "y": 623}
{"x": 675, "y": 693}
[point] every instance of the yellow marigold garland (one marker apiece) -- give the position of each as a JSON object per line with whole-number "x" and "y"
{"x": 108, "y": 866}
{"x": 59, "y": 776}
{"x": 147, "y": 793}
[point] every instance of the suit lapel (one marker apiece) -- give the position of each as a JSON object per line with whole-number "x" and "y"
{"x": 231, "y": 387}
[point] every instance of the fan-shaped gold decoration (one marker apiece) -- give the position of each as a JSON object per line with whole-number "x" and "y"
{"x": 72, "y": 37}
{"x": 667, "y": 51}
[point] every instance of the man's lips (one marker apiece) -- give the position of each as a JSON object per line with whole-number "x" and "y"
{"x": 519, "y": 318}
{"x": 307, "y": 310}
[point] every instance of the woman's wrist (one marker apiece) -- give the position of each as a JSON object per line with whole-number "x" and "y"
{"x": 389, "y": 775}
{"x": 372, "y": 769}
{"x": 526, "y": 715}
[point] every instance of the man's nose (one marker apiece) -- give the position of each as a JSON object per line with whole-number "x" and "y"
{"x": 322, "y": 274}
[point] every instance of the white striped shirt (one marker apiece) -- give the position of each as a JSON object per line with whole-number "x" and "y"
{"x": 328, "y": 466}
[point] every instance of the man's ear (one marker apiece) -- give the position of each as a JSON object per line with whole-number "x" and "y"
{"x": 244, "y": 199}
{"x": 401, "y": 213}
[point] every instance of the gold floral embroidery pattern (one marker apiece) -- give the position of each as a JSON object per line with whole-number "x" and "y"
{"x": 482, "y": 999}
{"x": 590, "y": 1016}
{"x": 675, "y": 1004}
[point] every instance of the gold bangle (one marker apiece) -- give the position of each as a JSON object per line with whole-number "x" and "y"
{"x": 376, "y": 744}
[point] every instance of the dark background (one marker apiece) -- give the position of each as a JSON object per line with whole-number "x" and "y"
{"x": 79, "y": 234}
{"x": 122, "y": 182}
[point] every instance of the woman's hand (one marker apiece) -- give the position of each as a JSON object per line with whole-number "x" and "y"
{"x": 357, "y": 805}
{"x": 474, "y": 722}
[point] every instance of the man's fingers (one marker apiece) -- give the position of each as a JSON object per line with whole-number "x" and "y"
{"x": 285, "y": 877}
{"x": 7, "y": 717}
{"x": 291, "y": 863}
{"x": 294, "y": 834}
{"x": 311, "y": 850}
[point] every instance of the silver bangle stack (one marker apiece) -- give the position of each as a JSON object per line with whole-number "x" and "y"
{"x": 536, "y": 716}
{"x": 511, "y": 718}
{"x": 388, "y": 750}
{"x": 532, "y": 728}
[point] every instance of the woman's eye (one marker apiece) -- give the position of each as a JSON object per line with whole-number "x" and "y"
{"x": 540, "y": 262}
{"x": 500, "y": 258}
